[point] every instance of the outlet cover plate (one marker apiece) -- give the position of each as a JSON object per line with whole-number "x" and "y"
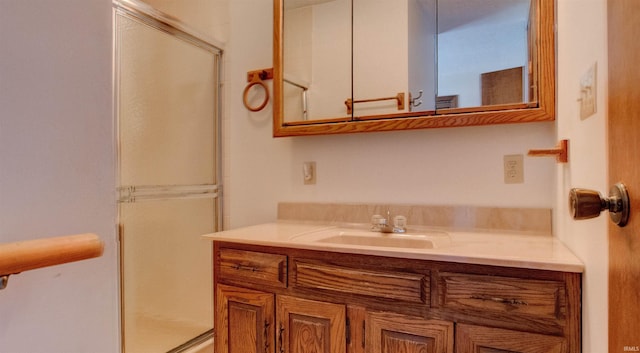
{"x": 514, "y": 169}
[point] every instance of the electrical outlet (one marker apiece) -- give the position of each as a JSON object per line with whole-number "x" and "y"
{"x": 588, "y": 85}
{"x": 309, "y": 173}
{"x": 514, "y": 169}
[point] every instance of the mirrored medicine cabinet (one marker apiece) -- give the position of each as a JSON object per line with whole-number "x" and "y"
{"x": 347, "y": 66}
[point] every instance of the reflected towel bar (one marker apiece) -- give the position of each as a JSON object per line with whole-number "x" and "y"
{"x": 32, "y": 254}
{"x": 399, "y": 98}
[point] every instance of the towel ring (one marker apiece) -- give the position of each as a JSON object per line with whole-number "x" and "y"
{"x": 256, "y": 78}
{"x": 246, "y": 95}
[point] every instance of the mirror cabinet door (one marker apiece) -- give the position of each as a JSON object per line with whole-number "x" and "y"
{"x": 483, "y": 53}
{"x": 394, "y": 68}
{"x": 343, "y": 66}
{"x": 316, "y": 60}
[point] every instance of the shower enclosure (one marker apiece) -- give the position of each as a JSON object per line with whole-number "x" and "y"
{"x": 167, "y": 105}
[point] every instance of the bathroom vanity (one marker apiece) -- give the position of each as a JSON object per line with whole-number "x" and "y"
{"x": 300, "y": 287}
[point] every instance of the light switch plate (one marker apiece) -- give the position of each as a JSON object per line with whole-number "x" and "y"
{"x": 588, "y": 90}
{"x": 514, "y": 169}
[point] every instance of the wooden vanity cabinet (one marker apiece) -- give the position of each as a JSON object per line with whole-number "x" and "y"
{"x": 283, "y": 300}
{"x": 244, "y": 320}
{"x": 478, "y": 339}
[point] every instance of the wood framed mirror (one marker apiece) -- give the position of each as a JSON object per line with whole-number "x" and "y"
{"x": 358, "y": 73}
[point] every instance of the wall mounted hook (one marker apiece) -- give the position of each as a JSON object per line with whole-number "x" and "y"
{"x": 256, "y": 78}
{"x": 561, "y": 152}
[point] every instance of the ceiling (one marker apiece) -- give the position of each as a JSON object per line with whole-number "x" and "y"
{"x": 456, "y": 13}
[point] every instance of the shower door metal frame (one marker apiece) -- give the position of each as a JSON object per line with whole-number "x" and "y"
{"x": 145, "y": 14}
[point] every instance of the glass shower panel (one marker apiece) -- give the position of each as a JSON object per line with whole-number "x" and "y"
{"x": 166, "y": 93}
{"x": 167, "y": 274}
{"x": 168, "y": 157}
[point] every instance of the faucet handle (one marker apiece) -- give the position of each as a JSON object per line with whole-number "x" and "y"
{"x": 378, "y": 219}
{"x": 399, "y": 224}
{"x": 378, "y": 222}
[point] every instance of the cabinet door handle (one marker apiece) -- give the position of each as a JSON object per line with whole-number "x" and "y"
{"x": 364, "y": 333}
{"x": 280, "y": 338}
{"x": 266, "y": 336}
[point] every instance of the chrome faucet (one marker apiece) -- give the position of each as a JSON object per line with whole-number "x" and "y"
{"x": 382, "y": 224}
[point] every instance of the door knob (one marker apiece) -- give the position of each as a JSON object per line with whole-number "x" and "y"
{"x": 587, "y": 204}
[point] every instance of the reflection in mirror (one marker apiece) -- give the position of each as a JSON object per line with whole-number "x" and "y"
{"x": 483, "y": 53}
{"x": 393, "y": 57}
{"x": 317, "y": 59}
{"x": 415, "y": 64}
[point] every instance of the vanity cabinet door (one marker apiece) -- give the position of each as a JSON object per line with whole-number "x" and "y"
{"x": 244, "y": 320}
{"x": 478, "y": 339}
{"x": 309, "y": 326}
{"x": 392, "y": 333}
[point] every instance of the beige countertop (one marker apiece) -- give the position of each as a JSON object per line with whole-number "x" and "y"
{"x": 504, "y": 249}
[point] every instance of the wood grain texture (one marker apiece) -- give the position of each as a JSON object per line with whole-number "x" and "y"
{"x": 391, "y": 333}
{"x": 244, "y": 320}
{"x": 515, "y": 296}
{"x": 356, "y": 316}
{"x": 624, "y": 166}
{"x": 308, "y": 326}
{"x": 264, "y": 268}
{"x": 392, "y": 285}
{"x": 32, "y": 254}
{"x": 545, "y": 303}
{"x": 478, "y": 339}
{"x": 510, "y": 302}
{"x": 278, "y": 66}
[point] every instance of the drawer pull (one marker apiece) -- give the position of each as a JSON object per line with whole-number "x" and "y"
{"x": 501, "y": 300}
{"x": 266, "y": 336}
{"x": 245, "y": 268}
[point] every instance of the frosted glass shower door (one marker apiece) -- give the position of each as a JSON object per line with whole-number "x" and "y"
{"x": 167, "y": 273}
{"x": 168, "y": 152}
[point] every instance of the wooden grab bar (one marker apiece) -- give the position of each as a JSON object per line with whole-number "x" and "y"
{"x": 31, "y": 254}
{"x": 399, "y": 98}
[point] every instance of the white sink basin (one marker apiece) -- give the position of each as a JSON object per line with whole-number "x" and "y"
{"x": 351, "y": 237}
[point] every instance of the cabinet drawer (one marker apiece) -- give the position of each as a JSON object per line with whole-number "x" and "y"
{"x": 254, "y": 267}
{"x": 408, "y": 287}
{"x": 503, "y": 295}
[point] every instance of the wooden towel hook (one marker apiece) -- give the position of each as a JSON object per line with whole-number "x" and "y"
{"x": 561, "y": 152}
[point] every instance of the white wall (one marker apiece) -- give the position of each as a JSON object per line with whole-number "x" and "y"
{"x": 57, "y": 172}
{"x": 254, "y": 162}
{"x": 461, "y": 166}
{"x": 582, "y": 41}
